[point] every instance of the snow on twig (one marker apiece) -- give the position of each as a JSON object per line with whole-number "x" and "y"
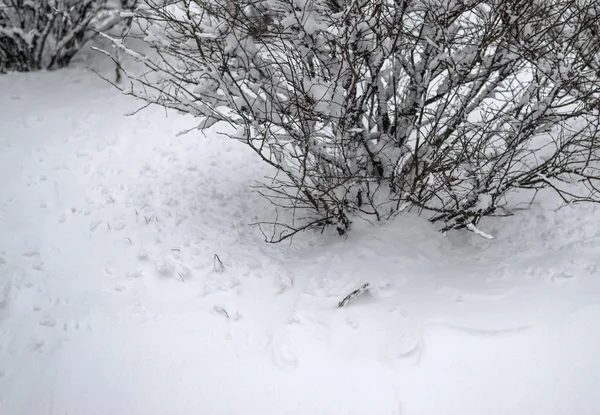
{"x": 354, "y": 295}
{"x": 479, "y": 232}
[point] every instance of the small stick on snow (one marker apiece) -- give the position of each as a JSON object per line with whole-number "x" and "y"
{"x": 218, "y": 264}
{"x": 354, "y": 295}
{"x": 221, "y": 310}
{"x": 479, "y": 232}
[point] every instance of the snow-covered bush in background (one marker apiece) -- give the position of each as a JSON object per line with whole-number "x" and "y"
{"x": 46, "y": 34}
{"x": 368, "y": 108}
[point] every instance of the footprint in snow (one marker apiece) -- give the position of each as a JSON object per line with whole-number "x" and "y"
{"x": 120, "y": 288}
{"x": 37, "y": 265}
{"x": 36, "y": 345}
{"x": 283, "y": 353}
{"x": 5, "y": 288}
{"x": 404, "y": 348}
{"x": 48, "y": 321}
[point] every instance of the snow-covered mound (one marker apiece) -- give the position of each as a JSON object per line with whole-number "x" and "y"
{"x": 132, "y": 283}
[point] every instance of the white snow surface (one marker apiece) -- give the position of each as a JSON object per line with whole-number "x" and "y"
{"x": 112, "y": 301}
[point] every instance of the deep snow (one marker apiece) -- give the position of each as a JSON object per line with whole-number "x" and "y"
{"x": 110, "y": 302}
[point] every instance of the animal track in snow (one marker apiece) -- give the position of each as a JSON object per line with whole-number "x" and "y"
{"x": 283, "y": 353}
{"x": 404, "y": 348}
{"x": 48, "y": 321}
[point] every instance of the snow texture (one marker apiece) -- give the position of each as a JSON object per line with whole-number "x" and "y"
{"x": 131, "y": 283}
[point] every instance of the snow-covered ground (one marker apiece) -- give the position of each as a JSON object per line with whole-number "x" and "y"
{"x": 112, "y": 301}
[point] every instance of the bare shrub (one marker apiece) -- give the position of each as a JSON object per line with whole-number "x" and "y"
{"x": 369, "y": 108}
{"x": 46, "y": 34}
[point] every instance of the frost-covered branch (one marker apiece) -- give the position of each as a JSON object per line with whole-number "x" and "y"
{"x": 369, "y": 107}
{"x": 46, "y": 34}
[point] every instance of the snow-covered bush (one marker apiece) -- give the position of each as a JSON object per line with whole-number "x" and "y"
{"x": 46, "y": 34}
{"x": 369, "y": 108}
